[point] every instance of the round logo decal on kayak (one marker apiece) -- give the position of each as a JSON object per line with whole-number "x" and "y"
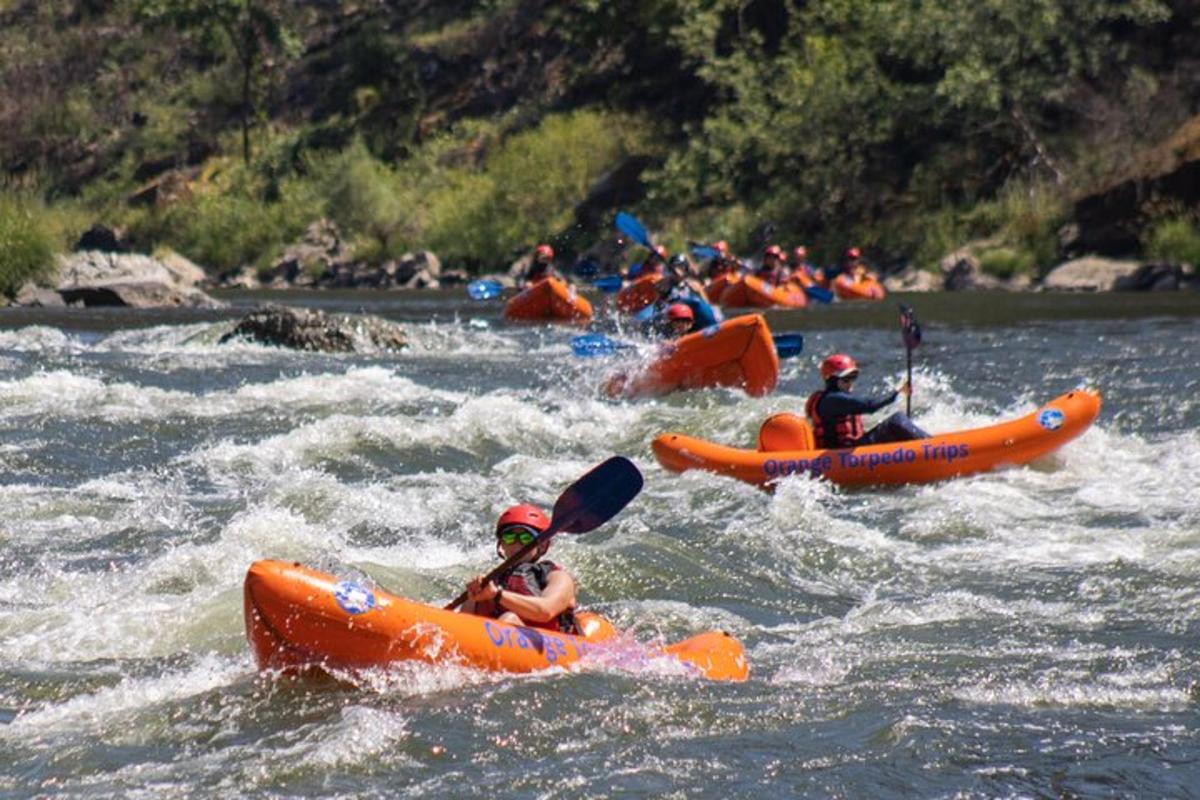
{"x": 353, "y": 598}
{"x": 1050, "y": 418}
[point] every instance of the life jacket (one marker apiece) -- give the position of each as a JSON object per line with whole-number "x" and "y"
{"x": 837, "y": 432}
{"x": 531, "y": 579}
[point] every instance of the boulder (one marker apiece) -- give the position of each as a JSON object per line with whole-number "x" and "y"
{"x": 95, "y": 278}
{"x": 165, "y": 190}
{"x": 144, "y": 294}
{"x": 182, "y": 269}
{"x": 454, "y": 277}
{"x": 1155, "y": 278}
{"x": 102, "y": 238}
{"x": 1089, "y": 274}
{"x": 319, "y": 252}
{"x": 315, "y": 331}
{"x": 423, "y": 279}
{"x": 34, "y": 296}
{"x": 914, "y": 280}
{"x": 961, "y": 271}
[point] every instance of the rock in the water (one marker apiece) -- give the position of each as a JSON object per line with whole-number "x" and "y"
{"x": 315, "y": 331}
{"x": 1090, "y": 274}
{"x": 1155, "y": 278}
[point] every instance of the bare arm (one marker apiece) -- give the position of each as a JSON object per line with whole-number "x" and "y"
{"x": 558, "y": 597}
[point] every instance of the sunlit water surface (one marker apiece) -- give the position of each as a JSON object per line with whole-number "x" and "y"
{"x": 1032, "y": 632}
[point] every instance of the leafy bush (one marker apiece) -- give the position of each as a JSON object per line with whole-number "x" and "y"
{"x": 1175, "y": 241}
{"x": 26, "y": 243}
{"x": 1005, "y": 262}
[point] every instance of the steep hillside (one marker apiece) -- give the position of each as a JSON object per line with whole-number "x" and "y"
{"x": 223, "y": 127}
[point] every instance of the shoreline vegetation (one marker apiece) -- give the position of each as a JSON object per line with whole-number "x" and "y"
{"x": 248, "y": 136}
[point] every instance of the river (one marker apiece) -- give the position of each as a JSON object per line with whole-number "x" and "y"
{"x": 1026, "y": 633}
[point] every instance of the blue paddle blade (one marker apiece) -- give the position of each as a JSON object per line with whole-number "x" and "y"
{"x": 587, "y": 268}
{"x": 609, "y": 284}
{"x": 590, "y": 345}
{"x": 628, "y": 224}
{"x": 596, "y": 498}
{"x": 484, "y": 289}
{"x": 704, "y": 251}
{"x": 819, "y": 294}
{"x": 788, "y": 344}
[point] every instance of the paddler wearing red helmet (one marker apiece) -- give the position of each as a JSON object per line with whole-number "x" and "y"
{"x": 542, "y": 266}
{"x": 537, "y": 592}
{"x": 836, "y": 412}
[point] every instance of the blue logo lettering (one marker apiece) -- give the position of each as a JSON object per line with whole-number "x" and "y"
{"x": 1050, "y": 418}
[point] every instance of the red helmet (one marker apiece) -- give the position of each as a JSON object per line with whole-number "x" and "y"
{"x": 523, "y": 516}
{"x": 853, "y": 253}
{"x": 774, "y": 250}
{"x": 544, "y": 251}
{"x": 680, "y": 311}
{"x": 800, "y": 253}
{"x": 838, "y": 365}
{"x": 721, "y": 246}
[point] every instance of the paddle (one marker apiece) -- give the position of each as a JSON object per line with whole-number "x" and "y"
{"x": 628, "y": 224}
{"x": 703, "y": 250}
{"x": 910, "y": 331}
{"x": 788, "y": 344}
{"x": 589, "y": 345}
{"x": 586, "y": 504}
{"x": 484, "y": 289}
{"x": 609, "y": 284}
{"x": 819, "y": 293}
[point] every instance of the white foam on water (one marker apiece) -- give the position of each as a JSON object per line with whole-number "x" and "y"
{"x": 63, "y": 394}
{"x": 1049, "y": 691}
{"x": 100, "y": 712}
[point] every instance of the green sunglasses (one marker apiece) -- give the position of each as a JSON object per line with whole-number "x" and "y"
{"x": 515, "y": 535}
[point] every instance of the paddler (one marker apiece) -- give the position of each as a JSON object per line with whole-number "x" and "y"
{"x": 652, "y": 265}
{"x": 836, "y": 412}
{"x": 537, "y": 592}
{"x": 773, "y": 268}
{"x": 542, "y": 266}
{"x": 676, "y": 320}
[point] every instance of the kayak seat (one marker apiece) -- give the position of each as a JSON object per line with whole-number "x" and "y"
{"x": 785, "y": 432}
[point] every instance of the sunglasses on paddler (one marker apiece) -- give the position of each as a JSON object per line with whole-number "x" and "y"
{"x": 517, "y": 534}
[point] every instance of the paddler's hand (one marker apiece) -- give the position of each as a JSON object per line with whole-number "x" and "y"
{"x": 905, "y": 389}
{"x": 480, "y": 592}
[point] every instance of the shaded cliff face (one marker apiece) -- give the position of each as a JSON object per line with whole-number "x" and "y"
{"x": 1165, "y": 179}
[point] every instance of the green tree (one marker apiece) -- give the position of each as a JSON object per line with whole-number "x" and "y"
{"x": 256, "y": 31}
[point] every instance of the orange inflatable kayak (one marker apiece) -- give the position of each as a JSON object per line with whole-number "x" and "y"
{"x": 549, "y": 300}
{"x": 638, "y": 294}
{"x": 752, "y": 292}
{"x": 867, "y": 287}
{"x": 736, "y": 353}
{"x": 786, "y": 448}
{"x": 299, "y": 618}
{"x": 717, "y": 286}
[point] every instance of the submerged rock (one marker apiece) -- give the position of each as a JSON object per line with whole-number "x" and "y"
{"x": 318, "y": 332}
